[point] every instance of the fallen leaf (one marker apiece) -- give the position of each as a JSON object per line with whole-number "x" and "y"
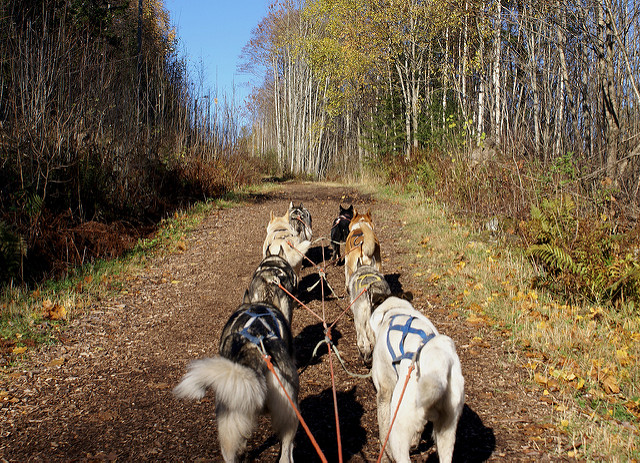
{"x": 54, "y": 311}
{"x": 540, "y": 378}
{"x": 56, "y": 362}
{"x": 19, "y": 350}
{"x": 610, "y": 385}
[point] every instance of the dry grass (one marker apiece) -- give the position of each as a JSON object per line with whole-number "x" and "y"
{"x": 584, "y": 358}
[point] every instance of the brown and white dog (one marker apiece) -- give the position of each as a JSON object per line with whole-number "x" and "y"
{"x": 282, "y": 236}
{"x": 362, "y": 245}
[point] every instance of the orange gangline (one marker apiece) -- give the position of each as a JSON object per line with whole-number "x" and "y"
{"x": 406, "y": 381}
{"x": 267, "y": 359}
{"x": 348, "y": 307}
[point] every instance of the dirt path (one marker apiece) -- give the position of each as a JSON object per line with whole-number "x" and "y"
{"x": 105, "y": 393}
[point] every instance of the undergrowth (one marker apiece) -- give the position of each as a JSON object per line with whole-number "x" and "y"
{"x": 30, "y": 316}
{"x": 581, "y": 353}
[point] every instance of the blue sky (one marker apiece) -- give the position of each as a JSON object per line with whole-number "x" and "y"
{"x": 214, "y": 32}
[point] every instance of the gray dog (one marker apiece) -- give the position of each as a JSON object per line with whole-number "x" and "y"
{"x": 243, "y": 384}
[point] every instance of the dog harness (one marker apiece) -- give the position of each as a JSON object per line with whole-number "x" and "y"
{"x": 271, "y": 334}
{"x": 340, "y": 218}
{"x": 406, "y": 329}
{"x": 366, "y": 280}
{"x": 357, "y": 238}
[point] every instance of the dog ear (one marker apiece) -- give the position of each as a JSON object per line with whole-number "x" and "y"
{"x": 406, "y": 295}
{"x": 377, "y": 299}
{"x": 246, "y": 298}
{"x": 290, "y": 205}
{"x": 271, "y": 217}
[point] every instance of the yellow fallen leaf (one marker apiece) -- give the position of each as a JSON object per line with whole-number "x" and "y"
{"x": 622, "y": 356}
{"x": 610, "y": 385}
{"x": 564, "y": 423}
{"x": 475, "y": 320}
{"x": 19, "y": 350}
{"x": 579, "y": 384}
{"x": 56, "y": 362}
{"x": 540, "y": 378}
{"x": 55, "y": 312}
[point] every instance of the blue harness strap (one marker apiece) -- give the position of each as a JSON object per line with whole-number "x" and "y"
{"x": 406, "y": 329}
{"x": 258, "y": 340}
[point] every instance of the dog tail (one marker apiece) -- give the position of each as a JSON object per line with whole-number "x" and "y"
{"x": 238, "y": 387}
{"x": 368, "y": 249}
{"x": 435, "y": 370}
{"x": 303, "y": 246}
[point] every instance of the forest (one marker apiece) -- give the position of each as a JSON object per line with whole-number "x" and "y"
{"x": 520, "y": 112}
{"x": 498, "y": 142}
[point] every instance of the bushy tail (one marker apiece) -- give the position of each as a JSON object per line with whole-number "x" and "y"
{"x": 368, "y": 246}
{"x": 238, "y": 387}
{"x": 303, "y": 246}
{"x": 436, "y": 361}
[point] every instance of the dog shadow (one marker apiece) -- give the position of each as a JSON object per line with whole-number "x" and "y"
{"x": 315, "y": 255}
{"x": 309, "y": 289}
{"x": 474, "y": 441}
{"x": 319, "y": 416}
{"x": 307, "y": 341}
{"x": 393, "y": 279}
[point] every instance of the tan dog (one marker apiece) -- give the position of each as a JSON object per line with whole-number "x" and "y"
{"x": 362, "y": 246}
{"x": 282, "y": 237}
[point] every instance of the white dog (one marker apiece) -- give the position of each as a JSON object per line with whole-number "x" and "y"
{"x": 435, "y": 390}
{"x": 281, "y": 237}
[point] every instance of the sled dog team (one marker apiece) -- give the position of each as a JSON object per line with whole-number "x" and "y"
{"x": 392, "y": 338}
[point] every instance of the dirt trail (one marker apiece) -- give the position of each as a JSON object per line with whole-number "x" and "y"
{"x": 105, "y": 393}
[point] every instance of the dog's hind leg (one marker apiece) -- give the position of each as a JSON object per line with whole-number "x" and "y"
{"x": 444, "y": 429}
{"x": 234, "y": 428}
{"x": 284, "y": 421}
{"x": 383, "y": 398}
{"x": 409, "y": 421}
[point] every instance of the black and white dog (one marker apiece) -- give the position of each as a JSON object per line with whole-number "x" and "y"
{"x": 243, "y": 384}
{"x": 435, "y": 389}
{"x": 300, "y": 220}
{"x": 376, "y": 290}
{"x": 274, "y": 270}
{"x": 340, "y": 229}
